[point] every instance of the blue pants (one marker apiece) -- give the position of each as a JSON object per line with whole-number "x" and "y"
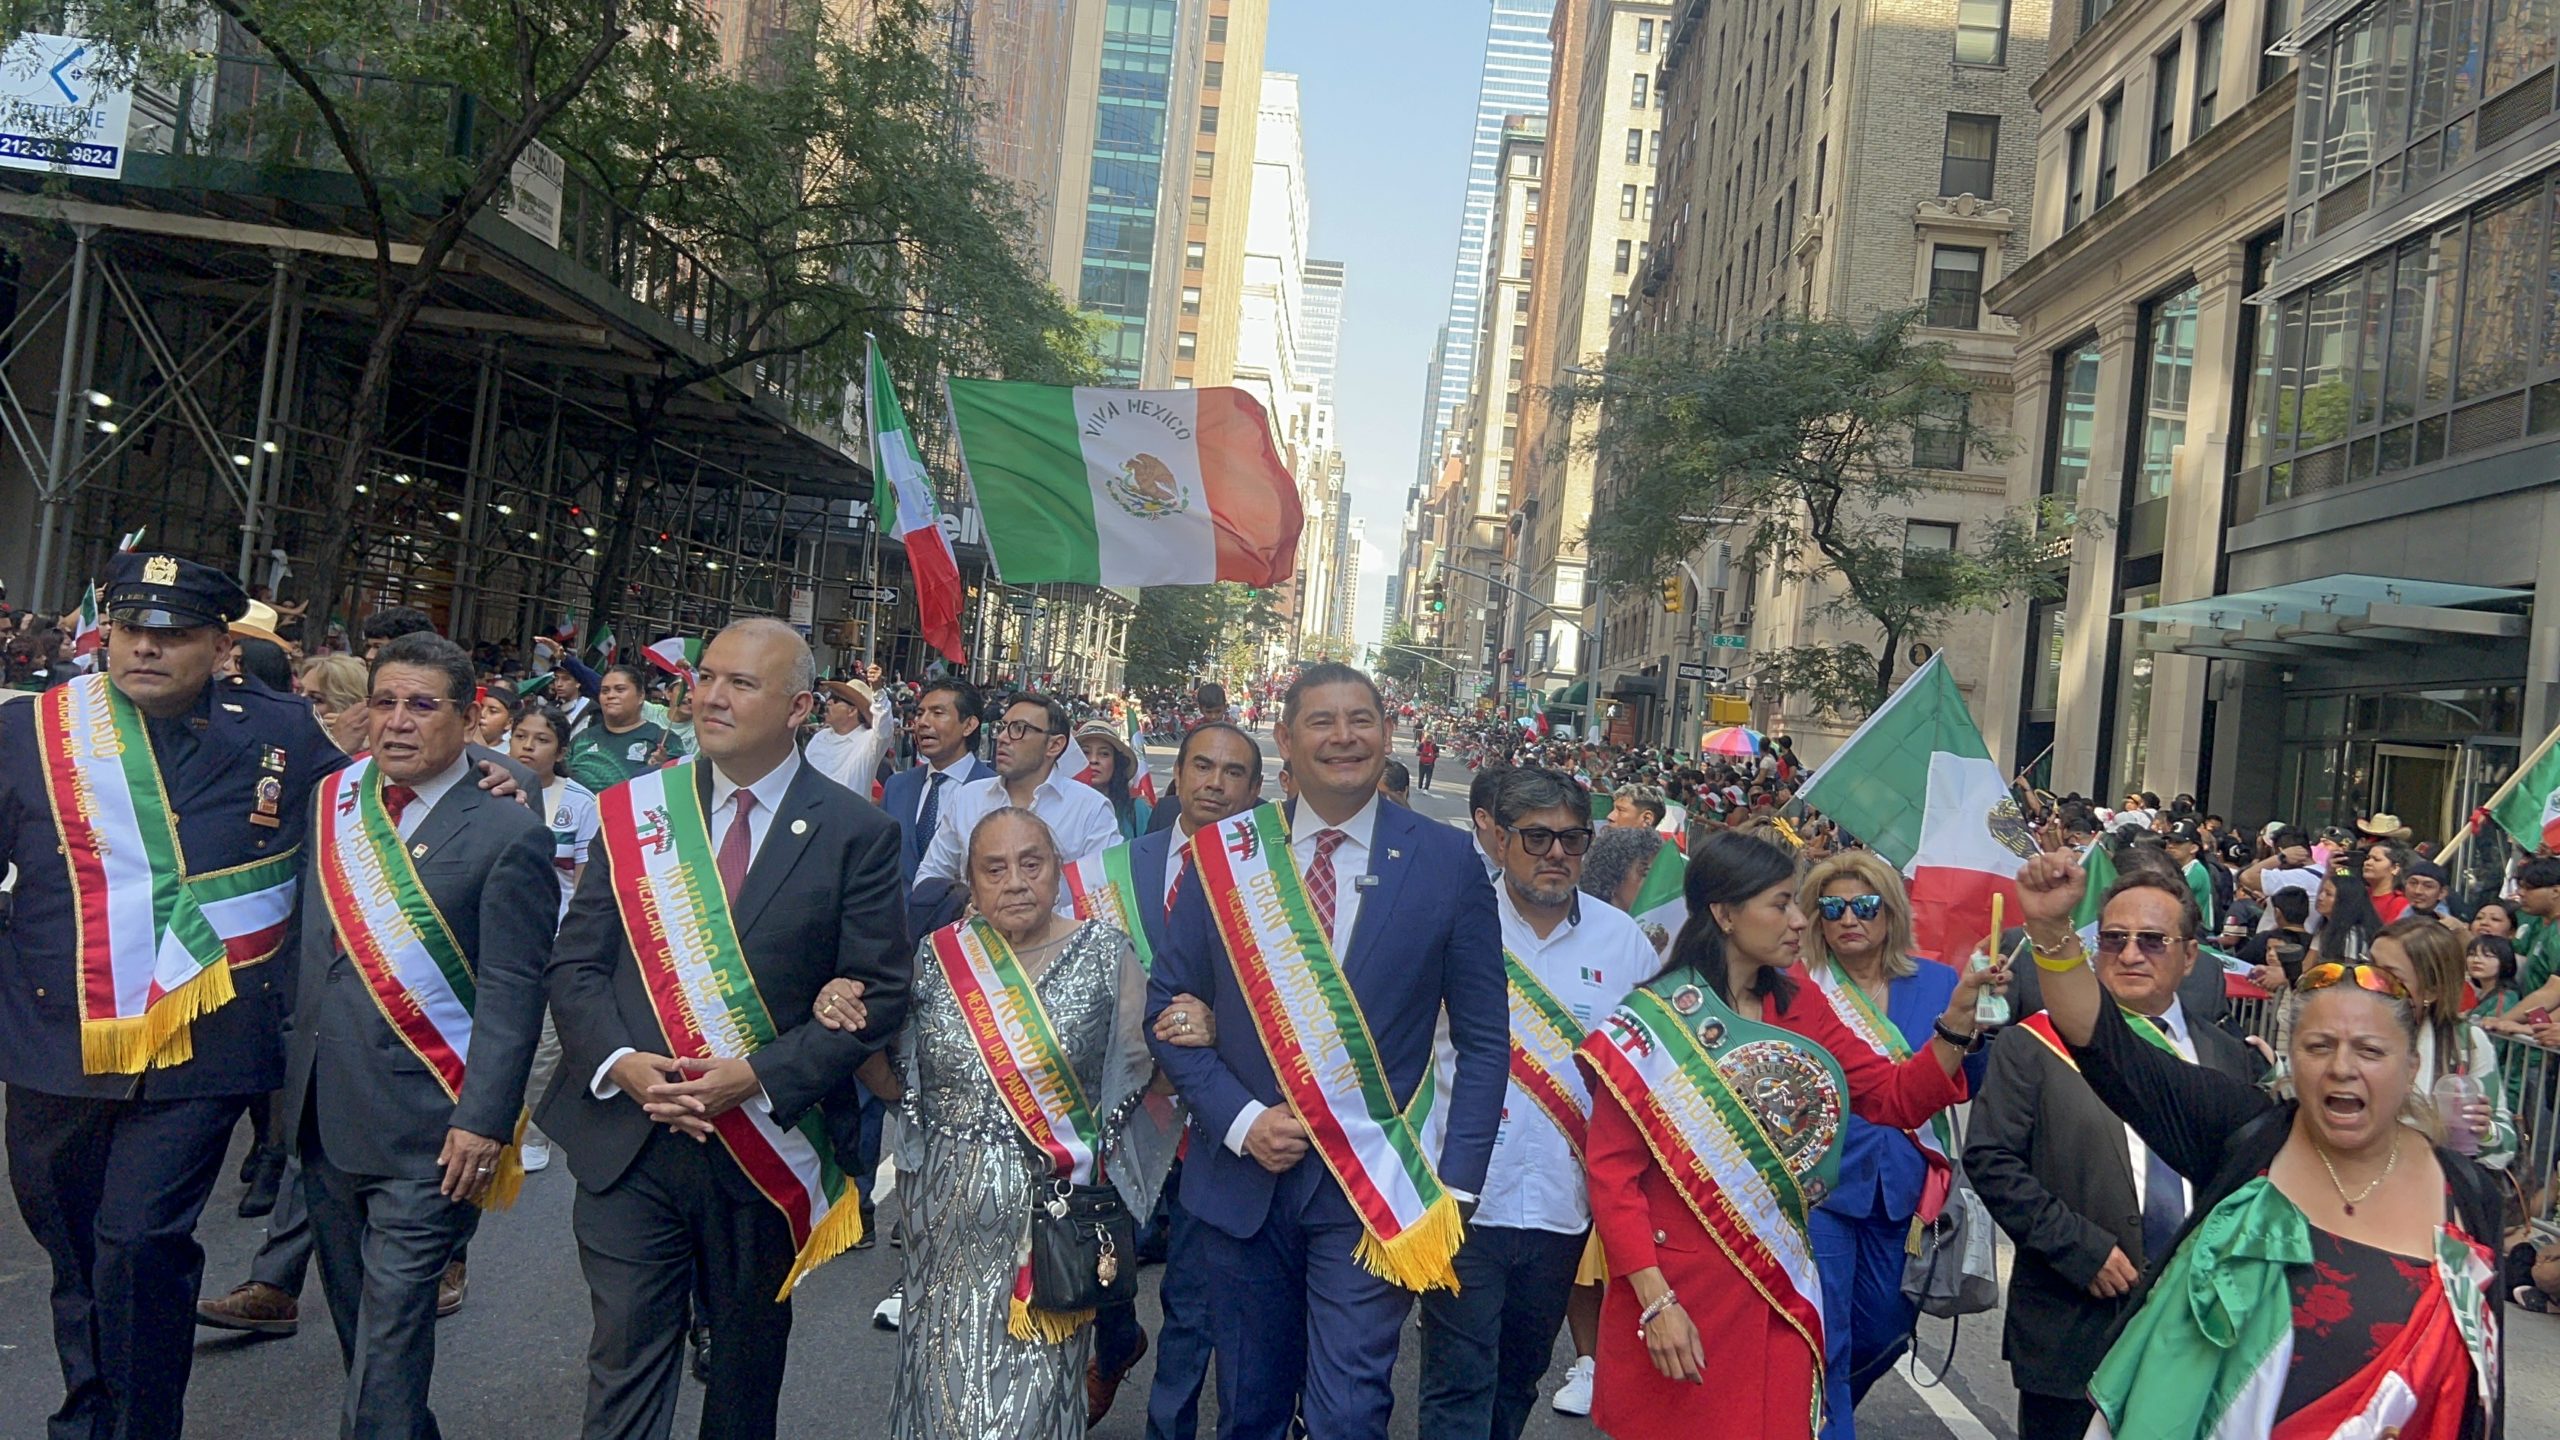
{"x": 1302, "y": 1330}
{"x": 1184, "y": 1345}
{"x": 1485, "y": 1347}
{"x": 1866, "y": 1322}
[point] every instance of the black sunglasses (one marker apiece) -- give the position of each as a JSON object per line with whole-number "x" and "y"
{"x": 1538, "y": 840}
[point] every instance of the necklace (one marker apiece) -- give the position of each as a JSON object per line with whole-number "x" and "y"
{"x": 2351, "y": 1201}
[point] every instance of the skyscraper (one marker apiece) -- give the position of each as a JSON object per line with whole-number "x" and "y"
{"x": 1514, "y": 82}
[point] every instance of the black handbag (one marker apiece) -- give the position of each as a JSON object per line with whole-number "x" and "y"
{"x": 1084, "y": 1247}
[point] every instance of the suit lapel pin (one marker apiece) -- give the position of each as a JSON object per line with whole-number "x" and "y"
{"x": 1395, "y": 854}
{"x": 799, "y": 827}
{"x": 271, "y": 759}
{"x": 418, "y": 851}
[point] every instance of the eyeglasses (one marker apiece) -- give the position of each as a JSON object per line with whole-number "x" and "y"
{"x": 424, "y": 707}
{"x": 2366, "y": 977}
{"x": 1862, "y": 906}
{"x": 1538, "y": 840}
{"x": 1021, "y": 729}
{"x": 2152, "y": 943}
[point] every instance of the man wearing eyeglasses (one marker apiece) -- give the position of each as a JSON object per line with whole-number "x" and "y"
{"x": 2087, "y": 1203}
{"x": 1568, "y": 959}
{"x": 1031, "y": 735}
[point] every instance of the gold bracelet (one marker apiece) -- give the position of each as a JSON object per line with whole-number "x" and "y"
{"x": 2062, "y": 964}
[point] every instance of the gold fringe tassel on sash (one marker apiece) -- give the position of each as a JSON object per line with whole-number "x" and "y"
{"x": 160, "y": 1035}
{"x": 1420, "y": 1257}
{"x": 507, "y": 1181}
{"x": 1043, "y": 1327}
{"x": 835, "y": 1235}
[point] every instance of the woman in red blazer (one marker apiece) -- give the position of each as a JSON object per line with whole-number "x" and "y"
{"x": 1732, "y": 996}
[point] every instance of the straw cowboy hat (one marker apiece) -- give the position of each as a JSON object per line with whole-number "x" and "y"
{"x": 851, "y": 692}
{"x": 2384, "y": 826}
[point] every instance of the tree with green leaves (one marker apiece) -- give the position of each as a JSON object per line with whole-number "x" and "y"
{"x": 1799, "y": 444}
{"x": 1185, "y": 633}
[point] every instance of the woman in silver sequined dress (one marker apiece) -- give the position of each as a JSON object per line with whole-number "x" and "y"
{"x": 965, "y": 1168}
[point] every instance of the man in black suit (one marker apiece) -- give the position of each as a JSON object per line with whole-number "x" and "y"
{"x": 402, "y": 1127}
{"x": 2088, "y": 1205}
{"x": 813, "y": 891}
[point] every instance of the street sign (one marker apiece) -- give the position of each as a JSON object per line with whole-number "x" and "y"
{"x": 1692, "y": 670}
{"x": 1716, "y": 675}
{"x": 1024, "y": 603}
{"x": 871, "y": 594}
{"x": 1730, "y": 642}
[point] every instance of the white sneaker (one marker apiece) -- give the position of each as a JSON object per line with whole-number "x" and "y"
{"x": 885, "y": 1316}
{"x": 1573, "y": 1397}
{"x": 536, "y": 1155}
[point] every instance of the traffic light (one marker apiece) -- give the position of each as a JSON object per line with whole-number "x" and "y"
{"x": 1674, "y": 598}
{"x": 1435, "y": 597}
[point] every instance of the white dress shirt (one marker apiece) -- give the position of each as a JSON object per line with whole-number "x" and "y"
{"x": 429, "y": 791}
{"x": 1350, "y": 867}
{"x": 2175, "y": 1024}
{"x": 852, "y": 758}
{"x": 1589, "y": 961}
{"x": 768, "y": 793}
{"x": 1077, "y": 814}
{"x": 1173, "y": 856}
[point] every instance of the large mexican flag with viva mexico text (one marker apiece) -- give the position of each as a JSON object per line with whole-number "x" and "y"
{"x": 1917, "y": 784}
{"x": 1127, "y": 487}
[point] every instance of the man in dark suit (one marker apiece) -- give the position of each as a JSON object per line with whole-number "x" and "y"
{"x": 2088, "y": 1205}
{"x": 945, "y": 729}
{"x": 112, "y": 1156}
{"x": 811, "y": 875}
{"x": 402, "y": 1128}
{"x": 1304, "y": 1329}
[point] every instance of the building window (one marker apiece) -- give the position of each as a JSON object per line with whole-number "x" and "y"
{"x": 1653, "y": 150}
{"x": 1626, "y": 202}
{"x": 1982, "y": 32}
{"x": 2207, "y": 107}
{"x": 2167, "y": 375}
{"x": 1199, "y": 209}
{"x": 1213, "y": 74}
{"x": 1195, "y": 255}
{"x": 1928, "y": 535}
{"x": 1528, "y": 266}
{"x": 1648, "y": 202}
{"x": 1190, "y": 299}
{"x": 1638, "y": 85}
{"x": 1520, "y": 302}
{"x": 1971, "y": 156}
{"x": 1204, "y": 164}
{"x": 2093, "y": 11}
{"x": 2164, "y": 105}
{"x": 1831, "y": 53}
{"x": 1821, "y": 167}
{"x": 1955, "y": 287}
{"x": 2110, "y": 143}
{"x": 1626, "y": 256}
{"x": 1519, "y": 336}
{"x": 1519, "y": 367}
{"x": 1644, "y": 37}
{"x": 2272, "y": 25}
{"x": 1617, "y": 306}
{"x": 1208, "y": 119}
{"x": 1217, "y": 29}
{"x": 2075, "y": 164}
{"x": 1635, "y": 147}
{"x": 2072, "y": 429}
{"x": 1186, "y": 345}
{"x": 1940, "y": 444}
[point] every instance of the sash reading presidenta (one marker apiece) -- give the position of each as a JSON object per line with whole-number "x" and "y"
{"x": 1715, "y": 1153}
{"x": 1035, "y": 1080}
{"x": 705, "y": 998}
{"x": 156, "y": 945}
{"x": 1322, "y": 1053}
{"x": 399, "y": 943}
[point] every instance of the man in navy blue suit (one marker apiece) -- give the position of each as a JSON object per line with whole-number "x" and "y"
{"x": 945, "y": 729}
{"x": 1305, "y": 1330}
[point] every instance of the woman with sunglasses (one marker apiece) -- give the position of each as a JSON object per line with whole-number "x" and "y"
{"x": 1718, "y": 1089}
{"x": 1858, "y": 951}
{"x": 2330, "y": 1276}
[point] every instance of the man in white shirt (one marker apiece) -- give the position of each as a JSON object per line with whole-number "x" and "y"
{"x": 1485, "y": 1347}
{"x": 860, "y": 729}
{"x": 1030, "y": 737}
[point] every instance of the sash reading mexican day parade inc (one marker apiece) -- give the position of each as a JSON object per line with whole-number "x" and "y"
{"x": 399, "y": 943}
{"x": 666, "y": 885}
{"x": 1750, "y": 1176}
{"x": 1032, "y": 1075}
{"x": 156, "y": 944}
{"x": 1320, "y": 1048}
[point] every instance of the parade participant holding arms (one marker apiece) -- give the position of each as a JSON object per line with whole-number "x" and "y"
{"x": 154, "y": 815}
{"x": 427, "y": 922}
{"x": 2335, "y": 1192}
{"x": 1718, "y": 1090}
{"x": 1384, "y": 919}
{"x": 723, "y": 894}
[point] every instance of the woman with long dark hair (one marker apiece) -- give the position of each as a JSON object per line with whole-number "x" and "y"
{"x": 1719, "y": 1090}
{"x": 2348, "y": 921}
{"x": 1113, "y": 767}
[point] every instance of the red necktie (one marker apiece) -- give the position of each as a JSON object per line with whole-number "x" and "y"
{"x": 1320, "y": 883}
{"x": 737, "y": 846}
{"x": 396, "y": 798}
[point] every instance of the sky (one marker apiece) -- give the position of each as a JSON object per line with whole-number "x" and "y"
{"x": 1388, "y": 91}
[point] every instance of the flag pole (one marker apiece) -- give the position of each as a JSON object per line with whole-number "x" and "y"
{"x": 2523, "y": 768}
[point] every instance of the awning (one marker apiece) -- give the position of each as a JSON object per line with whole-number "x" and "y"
{"x": 2325, "y": 617}
{"x": 1576, "y": 696}
{"x": 1636, "y": 687}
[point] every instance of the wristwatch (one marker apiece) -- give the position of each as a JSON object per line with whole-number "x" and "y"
{"x": 1980, "y": 1037}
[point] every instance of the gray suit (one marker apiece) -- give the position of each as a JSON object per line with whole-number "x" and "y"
{"x": 370, "y": 1117}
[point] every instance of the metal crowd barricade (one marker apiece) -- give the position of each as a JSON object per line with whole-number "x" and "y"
{"x": 2531, "y": 1074}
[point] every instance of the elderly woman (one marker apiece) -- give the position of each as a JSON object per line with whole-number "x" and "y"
{"x": 1858, "y": 950}
{"x": 2332, "y": 1276}
{"x": 1062, "y": 1003}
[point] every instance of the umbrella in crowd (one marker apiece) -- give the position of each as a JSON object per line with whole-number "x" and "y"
{"x": 1732, "y": 740}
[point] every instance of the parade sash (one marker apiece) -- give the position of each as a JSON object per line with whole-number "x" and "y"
{"x": 2040, "y": 1025}
{"x": 1034, "y": 1079}
{"x": 156, "y": 944}
{"x": 666, "y": 884}
{"x": 1104, "y": 888}
{"x": 1543, "y": 1034}
{"x": 1714, "y": 1149}
{"x": 403, "y": 951}
{"x": 1321, "y": 1050}
{"x": 1857, "y": 1010}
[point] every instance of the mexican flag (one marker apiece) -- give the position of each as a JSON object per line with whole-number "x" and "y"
{"x": 86, "y": 639}
{"x": 902, "y": 501}
{"x": 677, "y": 656}
{"x": 603, "y": 644}
{"x": 1917, "y": 784}
{"x": 1660, "y": 900}
{"x": 1127, "y": 487}
{"x": 2531, "y": 810}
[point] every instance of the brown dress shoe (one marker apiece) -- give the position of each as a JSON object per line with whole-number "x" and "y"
{"x": 450, "y": 1290}
{"x": 256, "y": 1308}
{"x": 1100, "y": 1389}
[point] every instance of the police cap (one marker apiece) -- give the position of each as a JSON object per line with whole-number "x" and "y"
{"x": 170, "y": 592}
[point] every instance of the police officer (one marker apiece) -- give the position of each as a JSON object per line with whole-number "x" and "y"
{"x": 130, "y": 1044}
